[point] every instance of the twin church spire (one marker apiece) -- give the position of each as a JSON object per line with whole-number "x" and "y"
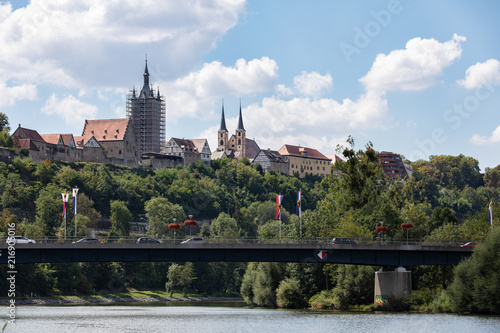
{"x": 237, "y": 142}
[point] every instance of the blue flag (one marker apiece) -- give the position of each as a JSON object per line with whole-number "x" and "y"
{"x": 299, "y": 209}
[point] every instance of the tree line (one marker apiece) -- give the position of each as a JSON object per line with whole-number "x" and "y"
{"x": 446, "y": 198}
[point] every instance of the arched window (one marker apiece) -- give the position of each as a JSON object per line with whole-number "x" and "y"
{"x": 239, "y": 141}
{"x": 221, "y": 142}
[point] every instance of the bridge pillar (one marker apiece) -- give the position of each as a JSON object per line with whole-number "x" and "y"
{"x": 392, "y": 284}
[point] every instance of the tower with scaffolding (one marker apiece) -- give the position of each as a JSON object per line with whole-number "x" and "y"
{"x": 147, "y": 111}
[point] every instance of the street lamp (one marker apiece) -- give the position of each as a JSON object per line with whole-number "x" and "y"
{"x": 175, "y": 220}
{"x": 381, "y": 230}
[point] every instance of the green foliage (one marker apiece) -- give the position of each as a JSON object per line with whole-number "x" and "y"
{"x": 120, "y": 218}
{"x": 6, "y": 140}
{"x": 161, "y": 212}
{"x": 179, "y": 276}
{"x": 289, "y": 294}
{"x": 260, "y": 283}
{"x": 224, "y": 227}
{"x": 353, "y": 285}
{"x": 476, "y": 285}
{"x": 4, "y": 122}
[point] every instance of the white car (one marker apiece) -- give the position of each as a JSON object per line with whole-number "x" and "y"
{"x": 195, "y": 240}
{"x": 20, "y": 240}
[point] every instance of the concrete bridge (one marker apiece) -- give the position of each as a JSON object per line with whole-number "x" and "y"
{"x": 358, "y": 254}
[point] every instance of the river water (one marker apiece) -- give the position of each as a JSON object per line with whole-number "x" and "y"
{"x": 216, "y": 318}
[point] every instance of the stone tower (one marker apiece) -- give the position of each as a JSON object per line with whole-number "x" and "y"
{"x": 147, "y": 112}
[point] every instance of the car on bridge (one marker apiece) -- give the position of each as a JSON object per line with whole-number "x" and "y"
{"x": 87, "y": 240}
{"x": 469, "y": 244}
{"x": 343, "y": 240}
{"x": 147, "y": 240}
{"x": 20, "y": 240}
{"x": 194, "y": 240}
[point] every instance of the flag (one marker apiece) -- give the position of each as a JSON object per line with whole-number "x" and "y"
{"x": 279, "y": 200}
{"x": 490, "y": 213}
{"x": 75, "y": 191}
{"x": 65, "y": 201}
{"x": 299, "y": 209}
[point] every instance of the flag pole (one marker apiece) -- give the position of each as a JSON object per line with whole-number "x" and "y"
{"x": 299, "y": 209}
{"x": 279, "y": 199}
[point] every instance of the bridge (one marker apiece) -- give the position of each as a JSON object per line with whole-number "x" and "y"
{"x": 358, "y": 254}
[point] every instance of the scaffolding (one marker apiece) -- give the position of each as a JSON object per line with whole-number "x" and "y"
{"x": 148, "y": 114}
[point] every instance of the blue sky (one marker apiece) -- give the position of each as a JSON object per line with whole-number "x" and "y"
{"x": 418, "y": 78}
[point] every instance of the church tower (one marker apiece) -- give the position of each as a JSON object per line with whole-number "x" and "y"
{"x": 223, "y": 133}
{"x": 241, "y": 136}
{"x": 148, "y": 112}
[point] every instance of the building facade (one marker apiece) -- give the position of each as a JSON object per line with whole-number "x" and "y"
{"x": 304, "y": 161}
{"x": 148, "y": 112}
{"x": 115, "y": 137}
{"x": 271, "y": 160}
{"x": 392, "y": 164}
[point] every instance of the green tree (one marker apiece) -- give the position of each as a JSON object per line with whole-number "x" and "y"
{"x": 290, "y": 295}
{"x": 224, "y": 227}
{"x": 160, "y": 213}
{"x": 120, "y": 218}
{"x": 179, "y": 276}
{"x": 4, "y": 122}
{"x": 6, "y": 139}
{"x": 476, "y": 285}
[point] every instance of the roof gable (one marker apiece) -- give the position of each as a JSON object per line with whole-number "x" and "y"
{"x": 304, "y": 152}
{"x": 105, "y": 129}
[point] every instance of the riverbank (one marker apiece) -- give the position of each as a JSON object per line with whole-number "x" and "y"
{"x": 115, "y": 299}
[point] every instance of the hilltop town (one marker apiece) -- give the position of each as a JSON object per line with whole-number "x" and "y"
{"x": 139, "y": 141}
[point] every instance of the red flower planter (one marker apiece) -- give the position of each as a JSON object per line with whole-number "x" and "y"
{"x": 174, "y": 226}
{"x": 190, "y": 222}
{"x": 381, "y": 229}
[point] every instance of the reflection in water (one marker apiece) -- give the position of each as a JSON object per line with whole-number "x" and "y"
{"x": 190, "y": 318}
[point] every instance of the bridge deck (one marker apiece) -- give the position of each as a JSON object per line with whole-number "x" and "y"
{"x": 375, "y": 255}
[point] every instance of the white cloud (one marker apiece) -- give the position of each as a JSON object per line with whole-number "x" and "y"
{"x": 312, "y": 83}
{"x": 192, "y": 95}
{"x": 72, "y": 110}
{"x": 414, "y": 68}
{"x": 43, "y": 41}
{"x": 480, "y": 74}
{"x": 9, "y": 95}
{"x": 478, "y": 140}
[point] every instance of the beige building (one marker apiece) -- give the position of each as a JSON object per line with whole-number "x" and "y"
{"x": 116, "y": 138}
{"x": 305, "y": 161}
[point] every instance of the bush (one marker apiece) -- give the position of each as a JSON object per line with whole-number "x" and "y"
{"x": 476, "y": 285}
{"x": 289, "y": 295}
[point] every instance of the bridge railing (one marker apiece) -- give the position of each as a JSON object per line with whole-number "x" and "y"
{"x": 283, "y": 240}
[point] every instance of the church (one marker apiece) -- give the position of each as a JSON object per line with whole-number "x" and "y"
{"x": 238, "y": 145}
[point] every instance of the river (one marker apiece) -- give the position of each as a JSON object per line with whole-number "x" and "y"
{"x": 189, "y": 317}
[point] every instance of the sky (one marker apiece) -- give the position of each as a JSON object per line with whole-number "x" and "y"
{"x": 417, "y": 78}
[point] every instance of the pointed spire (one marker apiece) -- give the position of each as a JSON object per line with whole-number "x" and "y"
{"x": 223, "y": 119}
{"x": 133, "y": 93}
{"x": 146, "y": 73}
{"x": 240, "y": 121}
{"x": 158, "y": 97}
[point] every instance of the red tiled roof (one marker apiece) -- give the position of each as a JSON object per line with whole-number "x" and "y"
{"x": 79, "y": 141}
{"x": 25, "y": 143}
{"x": 298, "y": 151}
{"x": 25, "y": 133}
{"x": 51, "y": 138}
{"x": 105, "y": 129}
